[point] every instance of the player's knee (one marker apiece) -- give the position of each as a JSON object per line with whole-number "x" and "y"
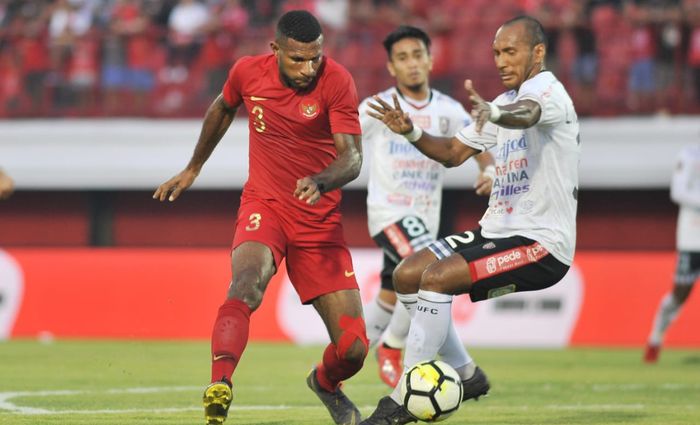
{"x": 406, "y": 277}
{"x": 353, "y": 345}
{"x": 356, "y": 353}
{"x": 247, "y": 287}
{"x": 433, "y": 279}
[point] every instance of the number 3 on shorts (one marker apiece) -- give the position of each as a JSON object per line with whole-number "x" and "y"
{"x": 254, "y": 222}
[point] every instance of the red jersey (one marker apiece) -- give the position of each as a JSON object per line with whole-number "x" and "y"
{"x": 291, "y": 131}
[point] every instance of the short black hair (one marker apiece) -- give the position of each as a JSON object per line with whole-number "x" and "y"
{"x": 533, "y": 27}
{"x": 405, "y": 31}
{"x": 299, "y": 25}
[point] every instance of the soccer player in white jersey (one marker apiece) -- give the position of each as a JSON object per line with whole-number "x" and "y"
{"x": 405, "y": 186}
{"x": 685, "y": 191}
{"x": 525, "y": 240}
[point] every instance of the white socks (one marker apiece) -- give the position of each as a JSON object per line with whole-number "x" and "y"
{"x": 431, "y": 318}
{"x": 665, "y": 314}
{"x": 395, "y": 335}
{"x": 377, "y": 317}
{"x": 454, "y": 354}
{"x": 409, "y": 302}
{"x": 452, "y": 351}
{"x": 429, "y": 327}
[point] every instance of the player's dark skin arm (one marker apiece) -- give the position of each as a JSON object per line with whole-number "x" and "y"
{"x": 216, "y": 121}
{"x": 451, "y": 152}
{"x": 521, "y": 114}
{"x": 344, "y": 169}
{"x": 448, "y": 151}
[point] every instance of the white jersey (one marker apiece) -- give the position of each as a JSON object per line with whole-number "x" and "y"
{"x": 403, "y": 181}
{"x": 536, "y": 187}
{"x": 685, "y": 191}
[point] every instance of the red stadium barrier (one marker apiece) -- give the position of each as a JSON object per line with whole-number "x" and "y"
{"x": 609, "y": 298}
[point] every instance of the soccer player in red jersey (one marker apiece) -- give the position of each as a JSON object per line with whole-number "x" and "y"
{"x": 304, "y": 145}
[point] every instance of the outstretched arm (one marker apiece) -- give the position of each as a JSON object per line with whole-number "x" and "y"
{"x": 521, "y": 114}
{"x": 344, "y": 169}
{"x": 450, "y": 152}
{"x": 216, "y": 121}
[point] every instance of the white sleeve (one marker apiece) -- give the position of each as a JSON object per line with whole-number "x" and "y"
{"x": 463, "y": 117}
{"x": 553, "y": 108}
{"x": 367, "y": 123}
{"x": 482, "y": 142}
{"x": 685, "y": 187}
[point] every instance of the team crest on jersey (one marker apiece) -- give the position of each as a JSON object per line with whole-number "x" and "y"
{"x": 309, "y": 108}
{"x": 444, "y": 125}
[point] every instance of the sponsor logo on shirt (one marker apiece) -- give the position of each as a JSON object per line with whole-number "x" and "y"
{"x": 422, "y": 121}
{"x": 501, "y": 207}
{"x": 399, "y": 199}
{"x": 444, "y": 123}
{"x": 309, "y": 108}
{"x": 398, "y": 147}
{"x": 512, "y": 176}
{"x": 512, "y": 145}
{"x": 410, "y": 169}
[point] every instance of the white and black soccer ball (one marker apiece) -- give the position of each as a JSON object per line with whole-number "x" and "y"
{"x": 431, "y": 391}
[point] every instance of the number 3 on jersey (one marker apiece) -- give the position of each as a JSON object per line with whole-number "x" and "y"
{"x": 254, "y": 224}
{"x": 258, "y": 123}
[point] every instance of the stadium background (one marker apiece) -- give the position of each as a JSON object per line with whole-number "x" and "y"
{"x": 100, "y": 101}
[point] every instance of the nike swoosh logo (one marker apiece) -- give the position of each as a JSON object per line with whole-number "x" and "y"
{"x": 257, "y": 99}
{"x": 349, "y": 274}
{"x": 223, "y": 356}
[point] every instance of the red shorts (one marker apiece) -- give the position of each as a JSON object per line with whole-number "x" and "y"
{"x": 318, "y": 260}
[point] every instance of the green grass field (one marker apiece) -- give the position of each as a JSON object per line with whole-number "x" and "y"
{"x": 88, "y": 382}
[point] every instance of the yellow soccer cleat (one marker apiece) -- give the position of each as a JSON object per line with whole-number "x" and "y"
{"x": 217, "y": 399}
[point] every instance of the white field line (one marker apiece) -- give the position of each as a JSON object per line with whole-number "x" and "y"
{"x": 8, "y": 406}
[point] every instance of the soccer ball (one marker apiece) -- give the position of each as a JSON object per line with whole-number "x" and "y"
{"x": 431, "y": 391}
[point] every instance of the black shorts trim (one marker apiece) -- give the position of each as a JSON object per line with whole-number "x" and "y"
{"x": 398, "y": 241}
{"x": 502, "y": 266}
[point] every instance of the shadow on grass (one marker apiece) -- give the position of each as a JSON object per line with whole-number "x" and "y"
{"x": 691, "y": 360}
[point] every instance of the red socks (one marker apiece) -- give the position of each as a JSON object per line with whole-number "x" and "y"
{"x": 333, "y": 369}
{"x": 229, "y": 338}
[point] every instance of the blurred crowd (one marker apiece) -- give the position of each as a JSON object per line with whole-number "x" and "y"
{"x": 170, "y": 57}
